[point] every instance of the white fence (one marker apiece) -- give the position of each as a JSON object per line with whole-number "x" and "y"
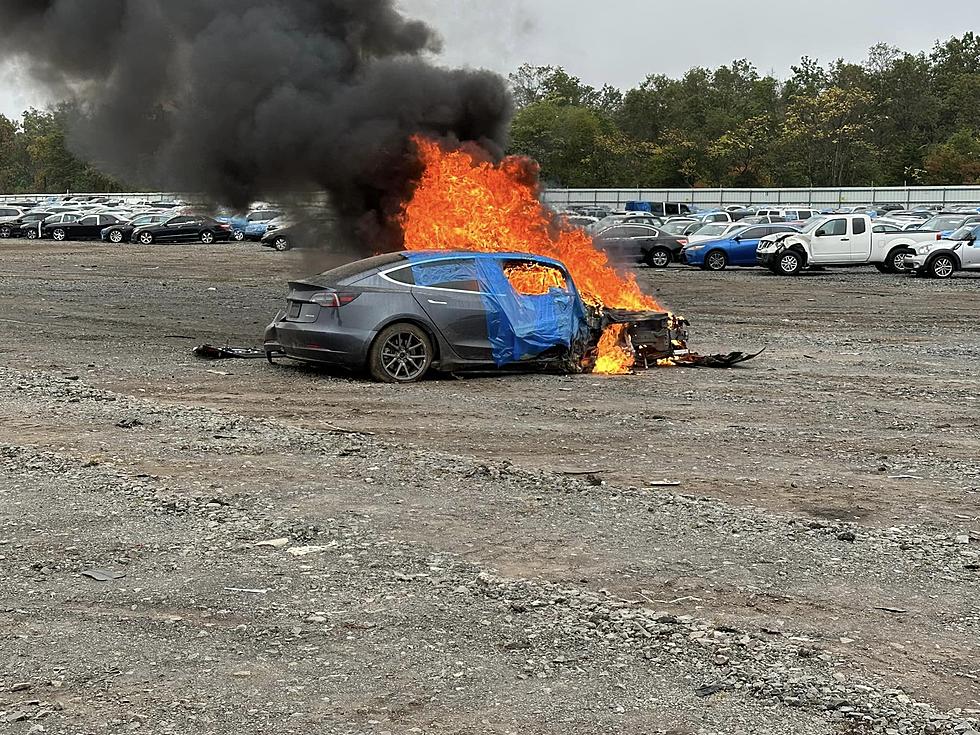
{"x": 906, "y": 196}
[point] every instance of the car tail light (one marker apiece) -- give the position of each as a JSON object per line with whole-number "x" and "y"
{"x": 683, "y": 241}
{"x": 939, "y": 236}
{"x": 224, "y": 226}
{"x": 332, "y": 299}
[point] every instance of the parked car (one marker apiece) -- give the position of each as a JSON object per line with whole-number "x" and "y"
{"x": 28, "y": 225}
{"x": 948, "y": 223}
{"x": 258, "y": 223}
{"x": 123, "y": 231}
{"x": 633, "y": 244}
{"x": 577, "y": 220}
{"x": 786, "y": 214}
{"x": 839, "y": 240}
{"x": 87, "y": 227}
{"x": 942, "y": 258}
{"x": 738, "y": 249}
{"x": 589, "y": 210}
{"x": 9, "y": 214}
{"x": 714, "y": 231}
{"x": 184, "y": 228}
{"x": 628, "y": 218}
{"x": 399, "y": 315}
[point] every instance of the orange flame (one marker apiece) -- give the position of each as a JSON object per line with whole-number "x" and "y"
{"x": 464, "y": 203}
{"x": 534, "y": 280}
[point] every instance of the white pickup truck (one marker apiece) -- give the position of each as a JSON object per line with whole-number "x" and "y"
{"x": 839, "y": 240}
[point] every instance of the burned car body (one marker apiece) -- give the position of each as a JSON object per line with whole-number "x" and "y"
{"x": 402, "y": 314}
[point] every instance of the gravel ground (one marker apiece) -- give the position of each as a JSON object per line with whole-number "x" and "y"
{"x": 292, "y": 550}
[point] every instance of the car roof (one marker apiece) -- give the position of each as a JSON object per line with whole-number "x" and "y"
{"x": 436, "y": 255}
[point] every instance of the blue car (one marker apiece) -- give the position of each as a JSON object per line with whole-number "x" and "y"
{"x": 238, "y": 222}
{"x": 737, "y": 250}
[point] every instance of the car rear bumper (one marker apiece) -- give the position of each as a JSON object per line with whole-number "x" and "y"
{"x": 312, "y": 342}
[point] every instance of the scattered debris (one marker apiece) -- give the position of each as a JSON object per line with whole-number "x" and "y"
{"x": 248, "y": 591}
{"x": 129, "y": 423}
{"x": 276, "y": 543}
{"x": 895, "y": 610}
{"x": 210, "y": 352}
{"x": 307, "y": 550}
{"x": 102, "y": 575}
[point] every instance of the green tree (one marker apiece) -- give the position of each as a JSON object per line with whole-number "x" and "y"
{"x": 955, "y": 162}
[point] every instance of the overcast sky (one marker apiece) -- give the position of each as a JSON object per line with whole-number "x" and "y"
{"x": 623, "y": 41}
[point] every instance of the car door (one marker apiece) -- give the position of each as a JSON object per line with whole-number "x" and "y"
{"x": 448, "y": 290}
{"x": 831, "y": 242}
{"x": 744, "y": 244}
{"x": 860, "y": 242}
{"x": 85, "y": 229}
{"x": 173, "y": 229}
{"x": 970, "y": 252}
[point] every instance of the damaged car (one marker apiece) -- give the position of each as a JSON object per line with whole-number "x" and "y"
{"x": 401, "y": 315}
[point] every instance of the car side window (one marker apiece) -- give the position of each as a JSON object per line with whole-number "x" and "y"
{"x": 178, "y": 221}
{"x": 834, "y": 228}
{"x": 456, "y": 275}
{"x": 404, "y": 275}
{"x": 635, "y": 231}
{"x": 752, "y": 233}
{"x": 70, "y": 217}
{"x": 859, "y": 225}
{"x": 90, "y": 220}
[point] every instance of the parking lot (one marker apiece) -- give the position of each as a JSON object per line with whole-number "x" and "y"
{"x": 526, "y": 553}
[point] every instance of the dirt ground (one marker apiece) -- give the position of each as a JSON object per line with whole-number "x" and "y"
{"x": 793, "y": 546}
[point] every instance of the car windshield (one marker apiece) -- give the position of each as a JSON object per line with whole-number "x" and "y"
{"x": 964, "y": 233}
{"x": 943, "y": 222}
{"x": 712, "y": 229}
{"x": 675, "y": 228}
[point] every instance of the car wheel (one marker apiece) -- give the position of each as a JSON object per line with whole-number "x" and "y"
{"x": 790, "y": 263}
{"x": 146, "y": 238}
{"x": 716, "y": 260}
{"x": 281, "y": 244}
{"x": 658, "y": 258}
{"x": 896, "y": 260}
{"x": 207, "y": 237}
{"x": 942, "y": 266}
{"x": 32, "y": 234}
{"x": 116, "y": 236}
{"x": 59, "y": 234}
{"x": 5, "y": 232}
{"x": 402, "y": 353}
{"x": 239, "y": 235}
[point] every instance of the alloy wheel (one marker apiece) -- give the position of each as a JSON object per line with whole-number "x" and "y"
{"x": 116, "y": 236}
{"x": 717, "y": 261}
{"x": 5, "y": 232}
{"x": 281, "y": 244}
{"x": 404, "y": 356}
{"x": 789, "y": 264}
{"x": 146, "y": 238}
{"x": 207, "y": 238}
{"x": 943, "y": 267}
{"x": 58, "y": 235}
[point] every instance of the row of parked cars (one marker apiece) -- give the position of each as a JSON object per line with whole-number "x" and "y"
{"x": 791, "y": 240}
{"x": 95, "y": 218}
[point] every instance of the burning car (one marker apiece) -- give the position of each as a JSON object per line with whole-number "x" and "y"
{"x": 402, "y": 314}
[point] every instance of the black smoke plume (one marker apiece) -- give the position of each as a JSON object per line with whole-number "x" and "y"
{"x": 247, "y": 99}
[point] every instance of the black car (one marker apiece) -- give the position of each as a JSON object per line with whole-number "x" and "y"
{"x": 123, "y": 232}
{"x": 184, "y": 228}
{"x": 88, "y": 227}
{"x": 633, "y": 244}
{"x": 26, "y": 226}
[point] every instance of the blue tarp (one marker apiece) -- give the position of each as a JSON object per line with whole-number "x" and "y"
{"x": 519, "y": 327}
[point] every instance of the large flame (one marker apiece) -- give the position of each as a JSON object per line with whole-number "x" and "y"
{"x": 465, "y": 203}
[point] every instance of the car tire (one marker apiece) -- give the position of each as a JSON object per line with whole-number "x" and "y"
{"x": 402, "y": 353}
{"x": 942, "y": 267}
{"x": 5, "y": 232}
{"x": 59, "y": 234}
{"x": 207, "y": 237}
{"x": 239, "y": 236}
{"x": 115, "y": 236}
{"x": 31, "y": 234}
{"x": 895, "y": 262}
{"x": 658, "y": 258}
{"x": 145, "y": 238}
{"x": 282, "y": 244}
{"x": 790, "y": 263}
{"x": 716, "y": 260}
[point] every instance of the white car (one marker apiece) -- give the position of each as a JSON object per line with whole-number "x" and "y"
{"x": 942, "y": 258}
{"x": 839, "y": 240}
{"x": 714, "y": 231}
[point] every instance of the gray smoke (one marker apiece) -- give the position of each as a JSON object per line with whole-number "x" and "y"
{"x": 249, "y": 99}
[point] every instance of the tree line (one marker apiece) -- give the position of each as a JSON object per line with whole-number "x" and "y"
{"x": 895, "y": 119}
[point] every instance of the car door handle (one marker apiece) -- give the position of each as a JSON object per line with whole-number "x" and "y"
{"x": 845, "y": 239}
{"x": 439, "y": 303}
